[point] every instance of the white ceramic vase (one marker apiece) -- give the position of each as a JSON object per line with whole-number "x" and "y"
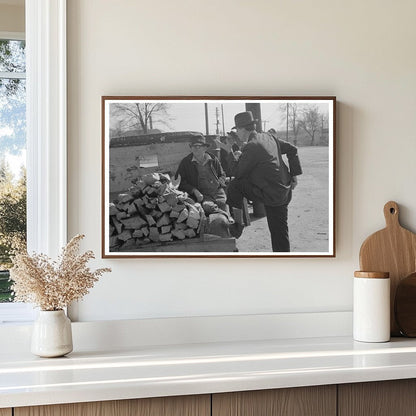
{"x": 52, "y": 334}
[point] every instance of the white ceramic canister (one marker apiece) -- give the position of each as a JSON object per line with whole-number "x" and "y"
{"x": 371, "y": 310}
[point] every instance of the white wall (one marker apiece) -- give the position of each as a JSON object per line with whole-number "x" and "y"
{"x": 363, "y": 52}
{"x": 12, "y": 18}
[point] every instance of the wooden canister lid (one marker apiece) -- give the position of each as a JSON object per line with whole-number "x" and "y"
{"x": 372, "y": 275}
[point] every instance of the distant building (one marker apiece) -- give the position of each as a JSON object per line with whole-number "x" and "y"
{"x": 129, "y": 133}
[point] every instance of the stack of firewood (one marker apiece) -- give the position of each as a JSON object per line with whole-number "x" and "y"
{"x": 153, "y": 211}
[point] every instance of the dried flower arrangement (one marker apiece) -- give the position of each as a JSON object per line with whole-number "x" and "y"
{"x": 53, "y": 285}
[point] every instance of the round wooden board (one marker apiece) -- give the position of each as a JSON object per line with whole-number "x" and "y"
{"x": 405, "y": 306}
{"x": 393, "y": 250}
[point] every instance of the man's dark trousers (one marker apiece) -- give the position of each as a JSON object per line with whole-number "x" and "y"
{"x": 276, "y": 215}
{"x": 277, "y": 221}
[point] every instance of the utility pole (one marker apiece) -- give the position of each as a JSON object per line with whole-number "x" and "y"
{"x": 264, "y": 124}
{"x": 206, "y": 119}
{"x": 217, "y": 116}
{"x": 223, "y": 125}
{"x": 287, "y": 122}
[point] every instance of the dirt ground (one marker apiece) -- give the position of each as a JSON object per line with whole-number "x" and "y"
{"x": 308, "y": 211}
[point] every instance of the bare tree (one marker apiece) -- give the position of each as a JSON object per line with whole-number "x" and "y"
{"x": 310, "y": 122}
{"x": 293, "y": 120}
{"x": 290, "y": 115}
{"x": 140, "y": 116}
{"x": 324, "y": 129}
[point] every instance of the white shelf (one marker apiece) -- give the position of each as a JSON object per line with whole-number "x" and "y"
{"x": 151, "y": 371}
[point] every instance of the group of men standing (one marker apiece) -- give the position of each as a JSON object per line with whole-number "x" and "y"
{"x": 258, "y": 173}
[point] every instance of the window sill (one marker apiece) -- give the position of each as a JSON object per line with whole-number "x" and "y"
{"x": 16, "y": 313}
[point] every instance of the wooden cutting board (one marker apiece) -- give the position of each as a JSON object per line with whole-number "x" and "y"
{"x": 393, "y": 250}
{"x": 405, "y": 306}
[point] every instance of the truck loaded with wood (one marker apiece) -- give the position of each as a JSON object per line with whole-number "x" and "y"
{"x": 147, "y": 212}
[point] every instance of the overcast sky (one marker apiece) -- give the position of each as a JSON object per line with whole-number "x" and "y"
{"x": 191, "y": 115}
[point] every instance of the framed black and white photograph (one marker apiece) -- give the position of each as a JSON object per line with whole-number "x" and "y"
{"x": 218, "y": 177}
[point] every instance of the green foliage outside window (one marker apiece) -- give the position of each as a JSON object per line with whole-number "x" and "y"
{"x": 12, "y": 223}
{"x": 12, "y": 145}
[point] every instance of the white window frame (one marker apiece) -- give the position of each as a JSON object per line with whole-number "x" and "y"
{"x": 46, "y": 133}
{"x": 14, "y": 312}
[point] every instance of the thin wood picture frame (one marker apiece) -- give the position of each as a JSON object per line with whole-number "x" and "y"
{"x": 148, "y": 140}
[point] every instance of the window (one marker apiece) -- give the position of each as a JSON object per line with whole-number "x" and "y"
{"x": 12, "y": 165}
{"x": 46, "y": 135}
{"x": 12, "y": 154}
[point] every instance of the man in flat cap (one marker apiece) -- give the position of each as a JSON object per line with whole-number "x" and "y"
{"x": 260, "y": 174}
{"x": 201, "y": 174}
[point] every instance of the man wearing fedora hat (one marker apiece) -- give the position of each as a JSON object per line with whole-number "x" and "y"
{"x": 260, "y": 174}
{"x": 202, "y": 176}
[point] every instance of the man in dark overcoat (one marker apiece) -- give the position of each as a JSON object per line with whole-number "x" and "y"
{"x": 261, "y": 175}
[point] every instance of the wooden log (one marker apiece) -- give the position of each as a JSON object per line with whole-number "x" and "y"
{"x": 124, "y": 198}
{"x": 150, "y": 206}
{"x": 183, "y": 215}
{"x": 163, "y": 220}
{"x": 150, "y": 178}
{"x": 114, "y": 241}
{"x": 178, "y": 207}
{"x": 192, "y": 223}
{"x": 154, "y": 201}
{"x": 171, "y": 199}
{"x": 121, "y": 215}
{"x": 156, "y": 213}
{"x": 119, "y": 226}
{"x": 138, "y": 202}
{"x": 130, "y": 243}
{"x": 150, "y": 220}
{"x": 137, "y": 234}
{"x": 165, "y": 229}
{"x": 164, "y": 178}
{"x": 145, "y": 231}
{"x": 125, "y": 235}
{"x": 166, "y": 237}
{"x": 112, "y": 229}
{"x": 186, "y": 199}
{"x": 179, "y": 234}
{"x": 154, "y": 234}
{"x": 203, "y": 221}
{"x": 135, "y": 192}
{"x": 174, "y": 214}
{"x": 162, "y": 189}
{"x": 132, "y": 209}
{"x": 193, "y": 212}
{"x": 180, "y": 226}
{"x": 139, "y": 186}
{"x": 190, "y": 233}
{"x": 123, "y": 207}
{"x": 151, "y": 191}
{"x": 164, "y": 207}
{"x": 134, "y": 223}
{"x": 113, "y": 209}
{"x": 143, "y": 211}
